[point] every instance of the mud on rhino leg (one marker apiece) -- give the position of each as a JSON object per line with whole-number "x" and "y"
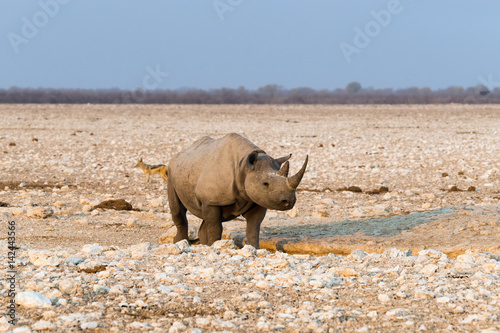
{"x": 254, "y": 218}
{"x": 178, "y": 212}
{"x": 212, "y": 224}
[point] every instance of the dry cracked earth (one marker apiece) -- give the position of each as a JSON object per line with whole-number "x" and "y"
{"x": 396, "y": 226}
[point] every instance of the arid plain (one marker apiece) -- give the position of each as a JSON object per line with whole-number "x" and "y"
{"x": 396, "y": 226}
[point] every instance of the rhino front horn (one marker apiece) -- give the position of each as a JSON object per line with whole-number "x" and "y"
{"x": 294, "y": 181}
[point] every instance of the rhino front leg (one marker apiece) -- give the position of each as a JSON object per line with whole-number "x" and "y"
{"x": 178, "y": 212}
{"x": 254, "y": 218}
{"x": 211, "y": 228}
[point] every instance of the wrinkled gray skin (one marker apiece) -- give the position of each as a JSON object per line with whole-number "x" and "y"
{"x": 218, "y": 180}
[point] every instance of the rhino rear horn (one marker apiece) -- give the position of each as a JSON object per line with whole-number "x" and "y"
{"x": 294, "y": 181}
{"x": 283, "y": 172}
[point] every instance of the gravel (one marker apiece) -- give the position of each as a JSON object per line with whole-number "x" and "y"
{"x": 207, "y": 289}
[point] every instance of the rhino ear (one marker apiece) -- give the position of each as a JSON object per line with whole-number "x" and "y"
{"x": 283, "y": 159}
{"x": 251, "y": 159}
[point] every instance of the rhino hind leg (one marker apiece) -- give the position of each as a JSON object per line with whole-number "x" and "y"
{"x": 178, "y": 212}
{"x": 202, "y": 233}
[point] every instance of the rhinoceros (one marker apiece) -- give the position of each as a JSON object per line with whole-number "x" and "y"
{"x": 218, "y": 180}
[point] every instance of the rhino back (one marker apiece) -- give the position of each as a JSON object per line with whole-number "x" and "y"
{"x": 210, "y": 171}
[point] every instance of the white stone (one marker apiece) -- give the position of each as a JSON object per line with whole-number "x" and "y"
{"x": 228, "y": 315}
{"x": 383, "y": 298}
{"x": 399, "y": 312}
{"x": 177, "y": 327}
{"x": 62, "y": 302}
{"x": 396, "y": 253}
{"x": 43, "y": 258}
{"x": 82, "y": 221}
{"x": 466, "y": 258}
{"x": 116, "y": 289}
{"x": 31, "y": 299}
{"x": 224, "y": 244}
{"x": 67, "y": 286}
{"x": 254, "y": 295}
{"x": 443, "y": 299}
{"x": 42, "y": 325}
{"x": 473, "y": 317}
{"x": 424, "y": 294}
{"x": 429, "y": 269}
{"x": 100, "y": 289}
{"x": 179, "y": 288}
{"x": 357, "y": 254}
{"x": 169, "y": 269}
{"x": 463, "y": 266}
{"x": 39, "y": 212}
{"x": 327, "y": 201}
{"x": 292, "y": 213}
{"x": 89, "y": 325}
{"x": 92, "y": 266}
{"x": 262, "y": 325}
{"x": 195, "y": 330}
{"x": 22, "y": 329}
{"x": 92, "y": 250}
{"x": 470, "y": 295}
{"x": 320, "y": 214}
{"x": 184, "y": 246}
{"x": 262, "y": 285}
{"x": 131, "y": 223}
{"x": 167, "y": 249}
{"x": 248, "y": 251}
{"x": 141, "y": 247}
{"x": 433, "y": 254}
{"x": 4, "y": 324}
{"x": 140, "y": 326}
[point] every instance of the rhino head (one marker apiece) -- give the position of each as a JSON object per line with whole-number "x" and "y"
{"x": 267, "y": 182}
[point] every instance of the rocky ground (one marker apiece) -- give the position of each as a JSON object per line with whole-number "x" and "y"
{"x": 396, "y": 227}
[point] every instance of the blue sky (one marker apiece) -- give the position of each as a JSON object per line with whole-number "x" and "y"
{"x": 251, "y": 43}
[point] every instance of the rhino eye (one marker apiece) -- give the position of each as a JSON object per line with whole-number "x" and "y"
{"x": 266, "y": 184}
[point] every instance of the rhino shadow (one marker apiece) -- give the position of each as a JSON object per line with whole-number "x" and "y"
{"x": 377, "y": 227}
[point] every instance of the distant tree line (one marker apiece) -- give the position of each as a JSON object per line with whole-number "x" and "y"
{"x": 353, "y": 93}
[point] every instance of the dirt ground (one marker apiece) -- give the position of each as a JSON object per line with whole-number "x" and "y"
{"x": 68, "y": 158}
